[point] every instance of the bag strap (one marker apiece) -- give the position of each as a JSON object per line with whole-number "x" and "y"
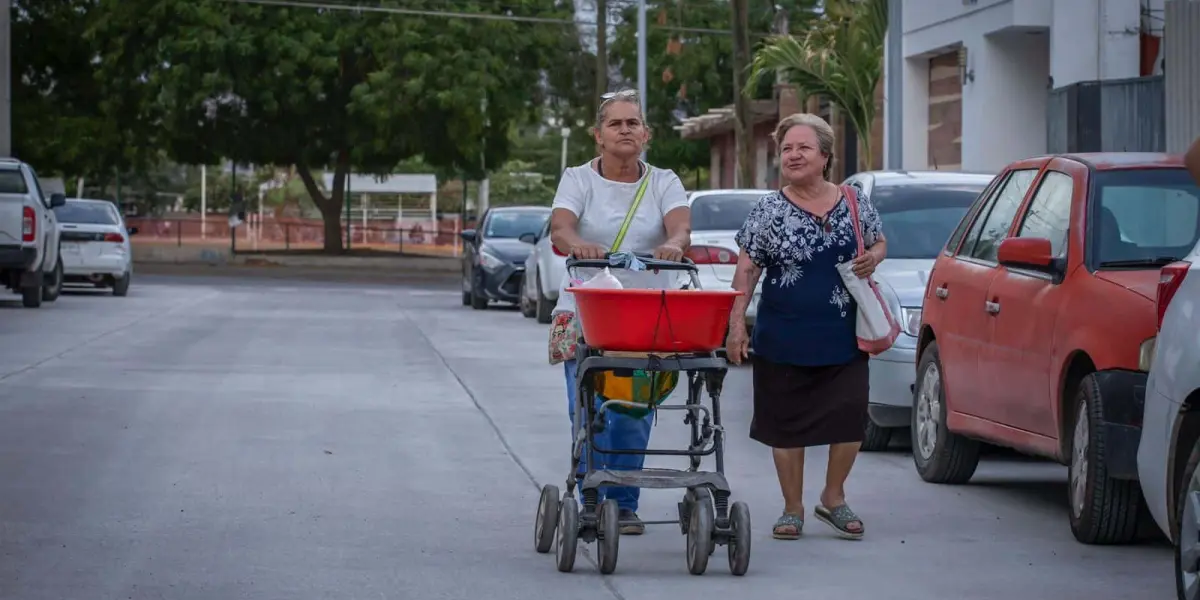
{"x": 852, "y": 199}
{"x": 637, "y": 201}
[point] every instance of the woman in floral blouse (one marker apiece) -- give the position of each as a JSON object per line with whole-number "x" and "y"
{"x": 810, "y": 378}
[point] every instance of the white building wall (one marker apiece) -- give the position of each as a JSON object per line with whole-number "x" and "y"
{"x": 1015, "y": 49}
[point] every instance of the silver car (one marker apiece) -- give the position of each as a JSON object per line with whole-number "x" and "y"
{"x": 717, "y": 215}
{"x": 919, "y": 211}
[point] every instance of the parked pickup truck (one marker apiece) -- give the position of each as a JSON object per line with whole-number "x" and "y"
{"x": 29, "y": 260}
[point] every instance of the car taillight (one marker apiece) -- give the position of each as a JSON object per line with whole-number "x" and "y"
{"x": 711, "y": 255}
{"x": 114, "y": 237}
{"x": 1169, "y": 279}
{"x": 28, "y": 224}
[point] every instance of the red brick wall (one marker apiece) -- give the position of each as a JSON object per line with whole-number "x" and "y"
{"x": 945, "y": 113}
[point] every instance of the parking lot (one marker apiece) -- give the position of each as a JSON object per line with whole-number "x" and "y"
{"x": 212, "y": 438}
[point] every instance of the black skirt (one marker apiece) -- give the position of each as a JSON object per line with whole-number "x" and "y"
{"x": 798, "y": 407}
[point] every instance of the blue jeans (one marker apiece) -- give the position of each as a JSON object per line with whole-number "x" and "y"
{"x": 621, "y": 432}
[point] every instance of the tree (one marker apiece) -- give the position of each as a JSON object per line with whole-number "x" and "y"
{"x": 58, "y": 124}
{"x": 691, "y": 72}
{"x": 840, "y": 58}
{"x": 320, "y": 88}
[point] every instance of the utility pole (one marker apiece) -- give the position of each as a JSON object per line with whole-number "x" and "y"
{"x": 894, "y": 89}
{"x": 601, "y": 51}
{"x": 743, "y": 128}
{"x": 5, "y": 78}
{"x": 641, "y": 61}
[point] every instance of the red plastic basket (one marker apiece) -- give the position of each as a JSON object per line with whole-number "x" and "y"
{"x": 641, "y": 320}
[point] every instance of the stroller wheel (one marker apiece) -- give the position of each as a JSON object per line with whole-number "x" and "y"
{"x": 610, "y": 536}
{"x": 699, "y": 535}
{"x": 567, "y": 534}
{"x": 739, "y": 542}
{"x": 546, "y": 521}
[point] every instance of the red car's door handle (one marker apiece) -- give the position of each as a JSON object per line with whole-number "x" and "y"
{"x": 992, "y": 307}
{"x": 941, "y": 292}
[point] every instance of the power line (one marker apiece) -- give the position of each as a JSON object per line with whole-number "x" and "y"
{"x": 455, "y": 15}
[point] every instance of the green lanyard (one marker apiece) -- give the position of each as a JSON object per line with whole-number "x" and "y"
{"x": 637, "y": 200}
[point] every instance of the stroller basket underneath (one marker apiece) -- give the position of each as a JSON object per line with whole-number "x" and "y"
{"x": 667, "y": 321}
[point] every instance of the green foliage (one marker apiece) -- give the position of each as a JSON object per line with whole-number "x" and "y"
{"x": 841, "y": 58}
{"x": 315, "y": 88}
{"x": 57, "y": 123}
{"x": 704, "y": 64}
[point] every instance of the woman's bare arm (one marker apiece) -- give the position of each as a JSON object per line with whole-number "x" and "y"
{"x": 745, "y": 279}
{"x": 678, "y": 224}
{"x": 564, "y": 234}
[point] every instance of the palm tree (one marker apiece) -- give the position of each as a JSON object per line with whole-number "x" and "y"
{"x": 840, "y": 57}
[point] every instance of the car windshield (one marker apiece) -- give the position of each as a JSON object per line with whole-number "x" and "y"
{"x": 1144, "y": 217}
{"x": 722, "y": 212}
{"x": 918, "y": 218}
{"x": 12, "y": 182}
{"x": 514, "y": 224}
{"x": 87, "y": 213}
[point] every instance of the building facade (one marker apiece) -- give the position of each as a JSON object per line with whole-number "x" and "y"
{"x": 976, "y": 74}
{"x": 717, "y": 126}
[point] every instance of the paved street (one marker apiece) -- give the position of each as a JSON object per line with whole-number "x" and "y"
{"x": 239, "y": 439}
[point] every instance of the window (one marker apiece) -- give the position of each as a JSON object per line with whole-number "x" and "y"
{"x": 12, "y": 181}
{"x": 918, "y": 217}
{"x": 1049, "y": 214}
{"x": 514, "y": 223}
{"x": 722, "y": 212}
{"x": 37, "y": 186}
{"x": 992, "y": 228}
{"x": 965, "y": 222}
{"x": 88, "y": 213}
{"x": 1144, "y": 216}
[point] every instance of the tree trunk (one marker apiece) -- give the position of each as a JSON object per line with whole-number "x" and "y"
{"x": 743, "y": 121}
{"x": 330, "y": 206}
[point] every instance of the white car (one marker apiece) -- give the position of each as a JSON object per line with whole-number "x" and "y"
{"x": 919, "y": 210}
{"x": 95, "y": 244}
{"x": 1169, "y": 449}
{"x": 544, "y": 270}
{"x": 717, "y": 215}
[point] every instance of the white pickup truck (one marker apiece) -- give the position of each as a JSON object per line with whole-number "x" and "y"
{"x": 29, "y": 240}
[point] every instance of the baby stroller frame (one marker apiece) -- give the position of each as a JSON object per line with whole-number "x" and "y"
{"x": 706, "y": 516}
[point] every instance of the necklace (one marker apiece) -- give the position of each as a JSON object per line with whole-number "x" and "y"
{"x": 600, "y": 168}
{"x": 824, "y": 221}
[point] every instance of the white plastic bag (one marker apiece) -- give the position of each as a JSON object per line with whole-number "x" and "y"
{"x": 603, "y": 280}
{"x": 877, "y": 329}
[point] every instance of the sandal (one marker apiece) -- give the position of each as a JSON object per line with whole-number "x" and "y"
{"x": 788, "y": 527}
{"x": 839, "y": 517}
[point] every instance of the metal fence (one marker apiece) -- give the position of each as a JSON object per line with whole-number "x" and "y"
{"x": 1181, "y": 63}
{"x": 298, "y": 235}
{"x": 1117, "y": 115}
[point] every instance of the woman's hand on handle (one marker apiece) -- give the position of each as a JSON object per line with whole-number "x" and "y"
{"x": 585, "y": 251}
{"x": 669, "y": 251}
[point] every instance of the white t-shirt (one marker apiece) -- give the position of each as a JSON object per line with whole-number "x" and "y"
{"x": 601, "y": 206}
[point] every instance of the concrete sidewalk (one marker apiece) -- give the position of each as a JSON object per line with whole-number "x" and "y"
{"x": 217, "y": 260}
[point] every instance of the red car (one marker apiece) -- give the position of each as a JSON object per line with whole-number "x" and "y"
{"x": 1039, "y": 323}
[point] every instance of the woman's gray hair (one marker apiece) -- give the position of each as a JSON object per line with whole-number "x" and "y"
{"x": 629, "y": 96}
{"x": 818, "y": 125}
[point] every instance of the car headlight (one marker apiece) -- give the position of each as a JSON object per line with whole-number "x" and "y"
{"x": 1146, "y": 354}
{"x": 489, "y": 261}
{"x": 910, "y": 320}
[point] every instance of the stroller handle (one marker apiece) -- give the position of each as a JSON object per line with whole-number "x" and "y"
{"x": 646, "y": 258}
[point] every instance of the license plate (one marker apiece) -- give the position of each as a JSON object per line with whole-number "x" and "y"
{"x": 70, "y": 248}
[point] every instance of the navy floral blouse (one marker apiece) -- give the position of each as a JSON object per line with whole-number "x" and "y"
{"x": 806, "y": 317}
